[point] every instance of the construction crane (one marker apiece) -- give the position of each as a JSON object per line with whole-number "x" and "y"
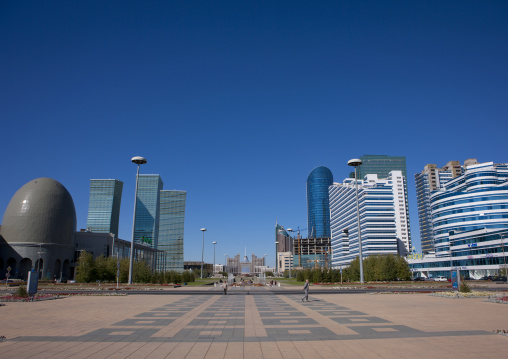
{"x": 325, "y": 252}
{"x": 315, "y": 261}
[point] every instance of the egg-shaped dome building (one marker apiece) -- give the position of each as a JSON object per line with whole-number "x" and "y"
{"x": 38, "y": 230}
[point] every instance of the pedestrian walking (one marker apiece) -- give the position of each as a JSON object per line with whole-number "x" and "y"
{"x": 306, "y": 290}
{"x": 225, "y": 286}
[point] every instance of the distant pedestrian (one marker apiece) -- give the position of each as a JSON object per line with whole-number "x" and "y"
{"x": 306, "y": 289}
{"x": 225, "y": 286}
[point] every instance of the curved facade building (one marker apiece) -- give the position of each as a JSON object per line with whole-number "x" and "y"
{"x": 478, "y": 199}
{"x": 38, "y": 230}
{"x": 318, "y": 203}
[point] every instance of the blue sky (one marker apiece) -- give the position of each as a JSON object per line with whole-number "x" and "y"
{"x": 237, "y": 101}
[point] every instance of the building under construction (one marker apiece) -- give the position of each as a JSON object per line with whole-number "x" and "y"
{"x": 312, "y": 253}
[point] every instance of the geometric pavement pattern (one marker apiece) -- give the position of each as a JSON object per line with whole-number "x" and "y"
{"x": 251, "y": 318}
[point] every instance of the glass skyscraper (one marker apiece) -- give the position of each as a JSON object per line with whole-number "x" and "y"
{"x": 104, "y": 206}
{"x": 171, "y": 226}
{"x": 382, "y": 165}
{"x": 318, "y": 204}
{"x": 146, "y": 223}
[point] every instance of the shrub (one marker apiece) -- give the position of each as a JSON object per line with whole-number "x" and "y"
{"x": 464, "y": 288}
{"x": 21, "y": 292}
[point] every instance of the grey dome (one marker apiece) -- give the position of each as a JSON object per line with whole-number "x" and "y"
{"x": 42, "y": 211}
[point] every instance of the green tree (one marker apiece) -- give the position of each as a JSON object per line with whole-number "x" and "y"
{"x": 105, "y": 268}
{"x": 142, "y": 273}
{"x": 299, "y": 276}
{"x": 389, "y": 267}
{"x": 335, "y": 276}
{"x": 307, "y": 274}
{"x": 186, "y": 277}
{"x": 403, "y": 270}
{"x": 124, "y": 270}
{"x": 369, "y": 268}
{"x": 353, "y": 271}
{"x": 85, "y": 271}
{"x": 317, "y": 275}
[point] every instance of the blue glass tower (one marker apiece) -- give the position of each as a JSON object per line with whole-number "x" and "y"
{"x": 318, "y": 204}
{"x": 171, "y": 225}
{"x": 104, "y": 206}
{"x": 146, "y": 223}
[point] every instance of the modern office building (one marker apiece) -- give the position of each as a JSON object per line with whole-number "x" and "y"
{"x": 104, "y": 206}
{"x": 470, "y": 223}
{"x": 475, "y": 200}
{"x": 146, "y": 223}
{"x": 382, "y": 165}
{"x": 285, "y": 241}
{"x": 383, "y": 212}
{"x": 171, "y": 228}
{"x": 432, "y": 179}
{"x": 285, "y": 261}
{"x": 318, "y": 205}
{"x": 475, "y": 254}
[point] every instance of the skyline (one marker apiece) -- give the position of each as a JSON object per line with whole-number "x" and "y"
{"x": 237, "y": 103}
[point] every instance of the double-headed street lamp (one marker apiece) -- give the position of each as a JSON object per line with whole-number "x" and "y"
{"x": 355, "y": 162}
{"x": 139, "y": 161}
{"x": 214, "y": 243}
{"x": 202, "y": 250}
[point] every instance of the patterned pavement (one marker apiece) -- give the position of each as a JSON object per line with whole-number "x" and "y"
{"x": 240, "y": 318}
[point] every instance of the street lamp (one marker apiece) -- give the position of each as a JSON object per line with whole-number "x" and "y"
{"x": 139, "y": 161}
{"x": 276, "y": 259}
{"x": 202, "y": 250}
{"x": 504, "y": 257}
{"x": 355, "y": 162}
{"x": 214, "y": 243}
{"x": 290, "y": 230}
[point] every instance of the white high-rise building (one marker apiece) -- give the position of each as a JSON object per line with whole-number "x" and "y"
{"x": 383, "y": 220}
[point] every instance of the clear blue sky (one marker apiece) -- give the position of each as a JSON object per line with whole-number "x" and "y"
{"x": 237, "y": 101}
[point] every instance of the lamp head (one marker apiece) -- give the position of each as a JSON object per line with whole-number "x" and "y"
{"x": 214, "y": 242}
{"x": 138, "y": 160}
{"x": 354, "y": 162}
{"x": 203, "y": 229}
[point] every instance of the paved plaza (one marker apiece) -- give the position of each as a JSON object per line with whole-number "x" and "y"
{"x": 258, "y": 325}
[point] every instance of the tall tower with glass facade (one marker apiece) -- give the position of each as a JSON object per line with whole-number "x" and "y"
{"x": 146, "y": 223}
{"x": 171, "y": 225}
{"x": 104, "y": 206}
{"x": 318, "y": 204}
{"x": 382, "y": 165}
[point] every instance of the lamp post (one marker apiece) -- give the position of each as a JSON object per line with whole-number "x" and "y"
{"x": 504, "y": 257}
{"x": 276, "y": 259}
{"x": 139, "y": 161}
{"x": 214, "y": 243}
{"x": 202, "y": 250}
{"x": 355, "y": 162}
{"x": 290, "y": 230}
